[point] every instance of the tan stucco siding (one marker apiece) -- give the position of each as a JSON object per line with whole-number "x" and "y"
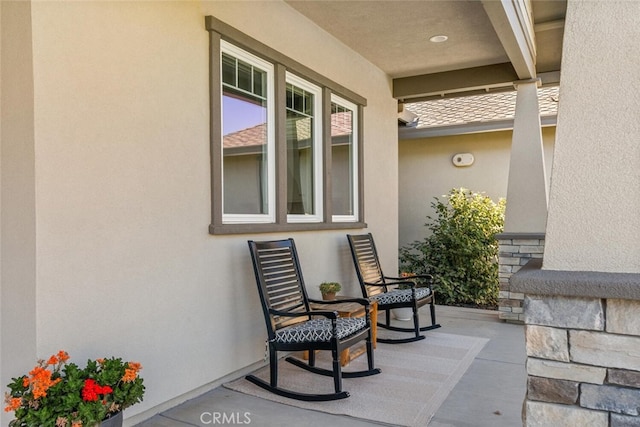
{"x": 427, "y": 171}
{"x": 124, "y": 262}
{"x": 593, "y": 222}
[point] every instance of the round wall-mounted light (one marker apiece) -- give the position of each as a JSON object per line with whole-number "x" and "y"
{"x": 439, "y": 38}
{"x": 462, "y": 159}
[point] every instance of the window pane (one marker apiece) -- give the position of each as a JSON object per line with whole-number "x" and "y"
{"x": 245, "y": 76}
{"x": 245, "y": 143}
{"x": 300, "y": 153}
{"x": 259, "y": 83}
{"x": 228, "y": 69}
{"x": 343, "y": 160}
{"x": 289, "y": 96}
{"x": 308, "y": 103}
{"x": 298, "y": 99}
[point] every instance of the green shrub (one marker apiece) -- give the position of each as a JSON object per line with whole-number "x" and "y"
{"x": 461, "y": 252}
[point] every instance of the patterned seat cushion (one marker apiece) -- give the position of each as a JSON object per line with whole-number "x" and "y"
{"x": 319, "y": 330}
{"x": 400, "y": 295}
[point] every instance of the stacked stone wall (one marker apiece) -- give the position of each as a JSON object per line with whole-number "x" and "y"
{"x": 514, "y": 252}
{"x": 583, "y": 361}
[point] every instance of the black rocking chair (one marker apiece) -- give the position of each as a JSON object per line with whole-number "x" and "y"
{"x": 375, "y": 286}
{"x": 292, "y": 326}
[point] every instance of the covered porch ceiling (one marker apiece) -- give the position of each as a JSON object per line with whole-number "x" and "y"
{"x": 490, "y": 43}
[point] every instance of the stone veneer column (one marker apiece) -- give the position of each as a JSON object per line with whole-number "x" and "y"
{"x": 526, "y": 212}
{"x": 515, "y": 250}
{"x": 583, "y": 347}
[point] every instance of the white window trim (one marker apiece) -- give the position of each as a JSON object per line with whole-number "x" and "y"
{"x": 270, "y": 216}
{"x": 354, "y": 124}
{"x": 318, "y": 174}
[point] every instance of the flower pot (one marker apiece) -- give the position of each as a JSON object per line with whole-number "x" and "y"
{"x": 114, "y": 421}
{"x": 403, "y": 313}
{"x": 329, "y": 296}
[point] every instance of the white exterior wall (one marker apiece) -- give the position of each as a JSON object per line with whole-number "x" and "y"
{"x": 124, "y": 264}
{"x": 426, "y": 171}
{"x": 593, "y": 222}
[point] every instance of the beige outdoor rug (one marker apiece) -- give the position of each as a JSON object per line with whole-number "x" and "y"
{"x": 416, "y": 378}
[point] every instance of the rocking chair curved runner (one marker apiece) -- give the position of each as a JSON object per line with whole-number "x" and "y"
{"x": 292, "y": 326}
{"x": 375, "y": 286}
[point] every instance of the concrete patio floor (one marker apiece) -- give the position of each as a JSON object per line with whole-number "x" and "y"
{"x": 489, "y": 394}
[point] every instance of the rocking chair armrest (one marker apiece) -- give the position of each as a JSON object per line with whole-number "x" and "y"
{"x": 333, "y": 315}
{"x": 428, "y": 277}
{"x": 361, "y": 301}
{"x": 328, "y": 314}
{"x": 402, "y": 282}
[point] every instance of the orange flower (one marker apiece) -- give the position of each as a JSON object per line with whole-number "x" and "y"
{"x": 129, "y": 375}
{"x": 131, "y": 371}
{"x": 135, "y": 366}
{"x": 53, "y": 360}
{"x": 76, "y": 424}
{"x": 41, "y": 381}
{"x": 13, "y": 404}
{"x": 63, "y": 356}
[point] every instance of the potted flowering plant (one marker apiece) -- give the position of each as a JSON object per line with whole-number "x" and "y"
{"x": 61, "y": 394}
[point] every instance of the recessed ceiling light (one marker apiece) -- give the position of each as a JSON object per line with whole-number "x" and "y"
{"x": 439, "y": 39}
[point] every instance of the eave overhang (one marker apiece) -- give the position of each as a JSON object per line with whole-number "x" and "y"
{"x": 467, "y": 128}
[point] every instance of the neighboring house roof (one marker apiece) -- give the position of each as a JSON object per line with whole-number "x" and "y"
{"x": 341, "y": 124}
{"x": 478, "y": 113}
{"x": 250, "y": 139}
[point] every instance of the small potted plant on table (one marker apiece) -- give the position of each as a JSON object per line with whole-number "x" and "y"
{"x": 329, "y": 290}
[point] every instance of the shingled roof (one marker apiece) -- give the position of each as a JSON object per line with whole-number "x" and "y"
{"x": 252, "y": 139}
{"x": 477, "y": 113}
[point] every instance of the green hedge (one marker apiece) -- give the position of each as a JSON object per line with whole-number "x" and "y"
{"x": 461, "y": 252}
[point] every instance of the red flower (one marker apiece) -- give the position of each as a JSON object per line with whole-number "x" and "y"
{"x": 92, "y": 390}
{"x": 88, "y": 391}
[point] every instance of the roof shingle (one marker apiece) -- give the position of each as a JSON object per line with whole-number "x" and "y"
{"x": 478, "y": 108}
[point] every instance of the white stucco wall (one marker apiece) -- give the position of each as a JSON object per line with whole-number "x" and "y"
{"x": 593, "y": 222}
{"x": 124, "y": 264}
{"x": 426, "y": 171}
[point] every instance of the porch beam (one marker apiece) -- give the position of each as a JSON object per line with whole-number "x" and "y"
{"x": 486, "y": 78}
{"x": 513, "y": 25}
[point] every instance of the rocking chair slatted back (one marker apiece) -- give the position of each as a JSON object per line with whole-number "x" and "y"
{"x": 281, "y": 286}
{"x": 367, "y": 264}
